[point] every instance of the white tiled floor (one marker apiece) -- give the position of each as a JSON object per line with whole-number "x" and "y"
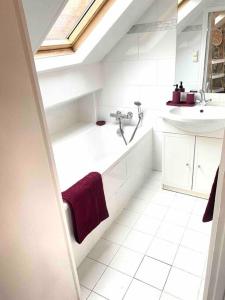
{"x": 156, "y": 249}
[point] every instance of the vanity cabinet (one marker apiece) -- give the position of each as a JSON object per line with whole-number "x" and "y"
{"x": 207, "y": 159}
{"x": 190, "y": 163}
{"x": 178, "y": 158}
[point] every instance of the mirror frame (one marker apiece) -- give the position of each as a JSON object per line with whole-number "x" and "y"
{"x": 205, "y": 42}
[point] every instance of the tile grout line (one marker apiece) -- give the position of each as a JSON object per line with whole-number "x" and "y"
{"x": 161, "y": 221}
{"x": 141, "y": 214}
{"x": 179, "y": 245}
{"x": 121, "y": 245}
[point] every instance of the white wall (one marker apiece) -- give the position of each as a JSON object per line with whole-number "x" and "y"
{"x": 34, "y": 251}
{"x": 142, "y": 67}
{"x": 66, "y": 114}
{"x": 69, "y": 95}
{"x": 214, "y": 3}
{"x": 73, "y": 82}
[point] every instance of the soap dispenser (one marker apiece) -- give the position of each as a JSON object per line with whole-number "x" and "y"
{"x": 181, "y": 88}
{"x": 176, "y": 95}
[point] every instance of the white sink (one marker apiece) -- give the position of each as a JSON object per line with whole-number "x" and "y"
{"x": 199, "y": 119}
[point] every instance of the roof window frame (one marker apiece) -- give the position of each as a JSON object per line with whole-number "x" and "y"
{"x": 71, "y": 43}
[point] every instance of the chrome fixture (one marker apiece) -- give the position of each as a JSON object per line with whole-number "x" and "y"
{"x": 203, "y": 101}
{"x": 140, "y": 117}
{"x": 118, "y": 115}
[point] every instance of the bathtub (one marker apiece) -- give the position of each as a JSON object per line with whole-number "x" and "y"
{"x": 85, "y": 148}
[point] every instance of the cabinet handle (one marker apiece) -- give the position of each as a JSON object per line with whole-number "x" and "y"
{"x": 199, "y": 166}
{"x": 187, "y": 165}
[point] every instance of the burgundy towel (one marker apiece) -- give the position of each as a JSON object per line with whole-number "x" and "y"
{"x": 86, "y": 200}
{"x": 208, "y": 215}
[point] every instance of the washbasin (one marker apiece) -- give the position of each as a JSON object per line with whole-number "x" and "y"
{"x": 199, "y": 119}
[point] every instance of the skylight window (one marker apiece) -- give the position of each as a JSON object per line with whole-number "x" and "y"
{"x": 180, "y": 2}
{"x": 69, "y": 18}
{"x": 75, "y": 19}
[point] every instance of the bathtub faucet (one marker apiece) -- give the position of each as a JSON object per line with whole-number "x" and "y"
{"x": 118, "y": 115}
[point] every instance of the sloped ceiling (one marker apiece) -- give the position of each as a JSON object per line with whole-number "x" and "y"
{"x": 192, "y": 10}
{"x": 40, "y": 16}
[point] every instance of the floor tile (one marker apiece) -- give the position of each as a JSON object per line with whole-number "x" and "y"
{"x": 156, "y": 175}
{"x": 95, "y": 296}
{"x": 182, "y": 285}
{"x": 104, "y": 251}
{"x": 199, "y": 207}
{"x": 153, "y": 272}
{"x": 162, "y": 250}
{"x": 113, "y": 284}
{"x": 147, "y": 225}
{"x": 170, "y": 232}
{"x": 142, "y": 291}
{"x": 164, "y": 198}
{"x": 195, "y": 240}
{"x": 138, "y": 241}
{"x": 180, "y": 218}
{"x": 195, "y": 223}
{"x": 84, "y": 293}
{"x": 184, "y": 202}
{"x": 147, "y": 193}
{"x": 127, "y": 218}
{"x": 137, "y": 205}
{"x": 155, "y": 211}
{"x": 89, "y": 273}
{"x": 126, "y": 261}
{"x": 166, "y": 296}
{"x": 190, "y": 261}
{"x": 116, "y": 233}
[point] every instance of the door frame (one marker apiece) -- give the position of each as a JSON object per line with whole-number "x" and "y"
{"x": 214, "y": 282}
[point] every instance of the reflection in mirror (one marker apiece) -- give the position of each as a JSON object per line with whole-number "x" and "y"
{"x": 215, "y": 63}
{"x": 189, "y": 44}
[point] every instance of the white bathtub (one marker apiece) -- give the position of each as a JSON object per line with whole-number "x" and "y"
{"x": 86, "y": 148}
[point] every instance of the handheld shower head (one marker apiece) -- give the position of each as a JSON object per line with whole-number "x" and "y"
{"x": 138, "y": 103}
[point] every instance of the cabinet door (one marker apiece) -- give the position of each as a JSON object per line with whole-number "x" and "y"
{"x": 207, "y": 159}
{"x": 178, "y": 159}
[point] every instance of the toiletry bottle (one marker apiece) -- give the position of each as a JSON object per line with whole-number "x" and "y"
{"x": 181, "y": 88}
{"x": 176, "y": 95}
{"x": 176, "y": 88}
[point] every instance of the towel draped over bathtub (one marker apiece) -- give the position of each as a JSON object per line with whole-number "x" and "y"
{"x": 87, "y": 203}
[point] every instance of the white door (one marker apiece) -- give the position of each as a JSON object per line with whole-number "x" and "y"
{"x": 178, "y": 158}
{"x": 207, "y": 159}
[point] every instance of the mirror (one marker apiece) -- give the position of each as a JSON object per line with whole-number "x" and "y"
{"x": 200, "y": 57}
{"x": 214, "y": 75}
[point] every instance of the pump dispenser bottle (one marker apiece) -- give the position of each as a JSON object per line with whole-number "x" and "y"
{"x": 181, "y": 88}
{"x": 176, "y": 95}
